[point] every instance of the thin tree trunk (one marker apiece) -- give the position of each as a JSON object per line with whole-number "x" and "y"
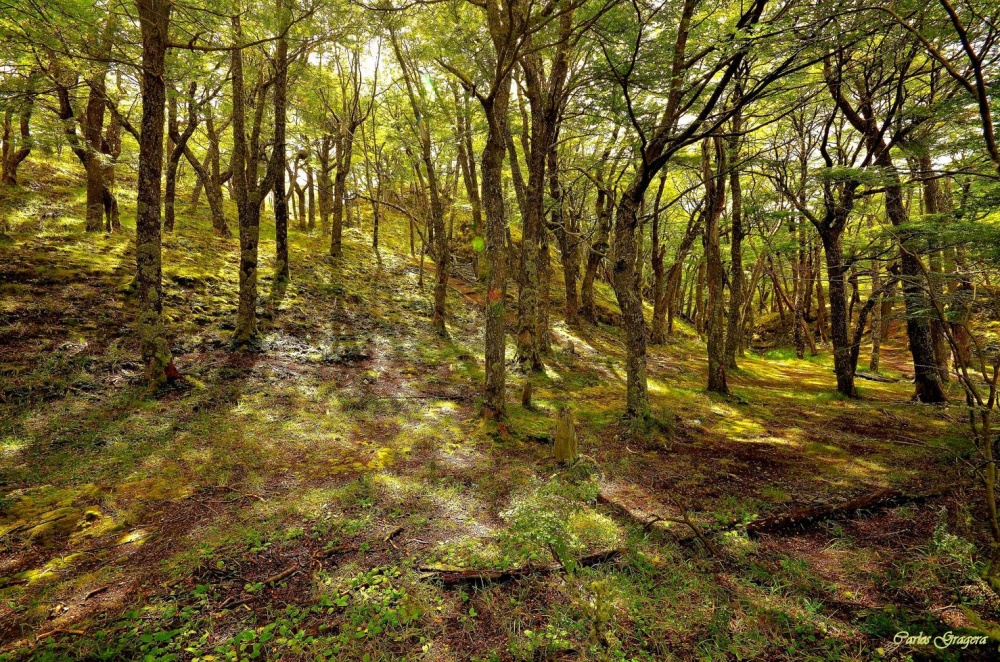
{"x": 836, "y": 275}
{"x": 734, "y": 332}
{"x": 715, "y": 195}
{"x": 281, "y": 266}
{"x": 876, "y": 334}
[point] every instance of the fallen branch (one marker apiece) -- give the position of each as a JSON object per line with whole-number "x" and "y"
{"x": 872, "y": 377}
{"x": 805, "y": 517}
{"x": 456, "y": 577}
{"x": 651, "y": 514}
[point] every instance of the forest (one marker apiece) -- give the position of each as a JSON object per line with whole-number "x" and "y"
{"x": 499, "y": 330}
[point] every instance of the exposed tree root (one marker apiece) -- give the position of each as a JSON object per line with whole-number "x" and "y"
{"x": 455, "y": 577}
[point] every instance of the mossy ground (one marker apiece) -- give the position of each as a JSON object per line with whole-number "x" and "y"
{"x": 145, "y": 526}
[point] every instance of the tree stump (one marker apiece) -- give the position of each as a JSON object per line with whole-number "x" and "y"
{"x": 565, "y": 444}
{"x": 526, "y": 395}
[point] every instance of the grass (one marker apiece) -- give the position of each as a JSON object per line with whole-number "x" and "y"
{"x": 349, "y": 451}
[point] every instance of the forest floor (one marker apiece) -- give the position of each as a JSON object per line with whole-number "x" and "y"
{"x": 309, "y": 500}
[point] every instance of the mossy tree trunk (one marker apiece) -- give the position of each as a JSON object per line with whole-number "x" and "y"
{"x": 495, "y": 109}
{"x": 249, "y": 191}
{"x": 154, "y": 18}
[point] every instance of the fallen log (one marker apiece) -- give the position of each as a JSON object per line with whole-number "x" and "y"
{"x": 805, "y": 517}
{"x": 454, "y": 577}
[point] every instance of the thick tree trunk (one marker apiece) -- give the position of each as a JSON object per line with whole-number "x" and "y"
{"x": 95, "y": 147}
{"x": 154, "y": 18}
{"x": 624, "y": 252}
{"x": 496, "y": 251}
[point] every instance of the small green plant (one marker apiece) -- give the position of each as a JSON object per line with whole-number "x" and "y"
{"x": 544, "y": 644}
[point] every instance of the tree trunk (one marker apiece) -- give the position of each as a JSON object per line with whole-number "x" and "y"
{"x": 657, "y": 335}
{"x": 799, "y": 276}
{"x": 715, "y": 200}
{"x": 598, "y": 250}
{"x": 926, "y": 380}
{"x": 699, "y": 299}
{"x": 836, "y": 275}
{"x": 345, "y": 149}
{"x": 249, "y": 194}
{"x": 11, "y": 154}
{"x": 154, "y": 19}
{"x": 623, "y": 279}
{"x": 496, "y": 249}
{"x": 934, "y": 205}
{"x": 279, "y": 154}
{"x": 179, "y": 141}
{"x": 325, "y": 192}
{"x": 734, "y": 332}
{"x": 311, "y": 195}
{"x": 873, "y": 363}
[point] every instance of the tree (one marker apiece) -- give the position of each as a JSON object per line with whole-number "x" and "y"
{"x": 154, "y": 21}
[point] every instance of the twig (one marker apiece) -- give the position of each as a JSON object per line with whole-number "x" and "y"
{"x": 284, "y": 574}
{"x": 43, "y": 635}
